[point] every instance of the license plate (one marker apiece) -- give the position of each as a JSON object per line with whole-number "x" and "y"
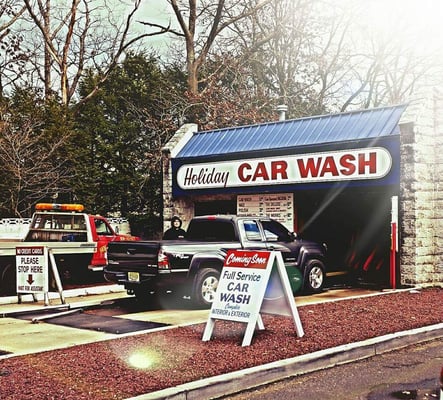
{"x": 133, "y": 276}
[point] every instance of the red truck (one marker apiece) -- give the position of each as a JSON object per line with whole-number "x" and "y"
{"x": 78, "y": 241}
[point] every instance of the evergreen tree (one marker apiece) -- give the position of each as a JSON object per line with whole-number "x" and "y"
{"x": 120, "y": 135}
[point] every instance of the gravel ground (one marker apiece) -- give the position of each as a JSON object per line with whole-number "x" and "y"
{"x": 126, "y": 367}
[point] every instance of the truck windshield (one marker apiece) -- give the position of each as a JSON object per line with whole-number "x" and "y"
{"x": 211, "y": 231}
{"x": 274, "y": 231}
{"x": 101, "y": 227}
{"x": 61, "y": 222}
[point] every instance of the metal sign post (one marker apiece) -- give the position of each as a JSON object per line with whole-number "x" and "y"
{"x": 57, "y": 279}
{"x": 394, "y": 242}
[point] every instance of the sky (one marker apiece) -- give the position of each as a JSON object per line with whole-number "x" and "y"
{"x": 418, "y": 23}
{"x": 159, "y": 12}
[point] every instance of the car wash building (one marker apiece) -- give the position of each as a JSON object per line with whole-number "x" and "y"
{"x": 367, "y": 183}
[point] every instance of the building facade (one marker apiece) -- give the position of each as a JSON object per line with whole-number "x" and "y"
{"x": 368, "y": 183}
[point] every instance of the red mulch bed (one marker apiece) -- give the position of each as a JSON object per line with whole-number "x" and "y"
{"x": 118, "y": 369}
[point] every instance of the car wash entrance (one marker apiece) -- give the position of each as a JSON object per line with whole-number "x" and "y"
{"x": 355, "y": 223}
{"x": 329, "y": 178}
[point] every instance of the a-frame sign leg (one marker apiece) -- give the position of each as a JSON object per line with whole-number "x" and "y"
{"x": 58, "y": 281}
{"x": 250, "y": 328}
{"x": 208, "y": 330}
{"x": 289, "y": 296}
{"x": 248, "y": 334}
{"x": 260, "y": 323}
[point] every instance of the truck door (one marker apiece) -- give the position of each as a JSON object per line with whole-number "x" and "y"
{"x": 278, "y": 238}
{"x": 105, "y": 234}
{"x": 253, "y": 238}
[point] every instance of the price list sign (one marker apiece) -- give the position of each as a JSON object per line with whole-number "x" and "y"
{"x": 278, "y": 206}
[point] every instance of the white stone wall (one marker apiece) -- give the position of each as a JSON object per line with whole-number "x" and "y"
{"x": 183, "y": 208}
{"x": 421, "y": 197}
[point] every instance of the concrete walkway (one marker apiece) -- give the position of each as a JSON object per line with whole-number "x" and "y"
{"x": 20, "y": 337}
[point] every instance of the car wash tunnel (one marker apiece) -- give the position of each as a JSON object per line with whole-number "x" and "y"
{"x": 356, "y": 226}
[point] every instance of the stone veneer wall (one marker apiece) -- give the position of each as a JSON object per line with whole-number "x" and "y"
{"x": 421, "y": 191}
{"x": 183, "y": 207}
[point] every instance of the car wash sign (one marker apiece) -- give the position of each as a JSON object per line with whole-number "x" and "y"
{"x": 243, "y": 277}
{"x": 341, "y": 165}
{"x": 242, "y": 288}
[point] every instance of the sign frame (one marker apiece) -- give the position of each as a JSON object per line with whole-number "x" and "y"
{"x": 34, "y": 261}
{"x": 243, "y": 276}
{"x": 32, "y": 269}
{"x": 390, "y": 143}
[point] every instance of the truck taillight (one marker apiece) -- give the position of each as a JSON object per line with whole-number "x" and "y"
{"x": 163, "y": 262}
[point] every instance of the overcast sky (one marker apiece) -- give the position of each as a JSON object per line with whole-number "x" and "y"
{"x": 419, "y": 23}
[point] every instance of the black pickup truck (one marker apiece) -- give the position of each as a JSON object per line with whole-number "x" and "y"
{"x": 192, "y": 266}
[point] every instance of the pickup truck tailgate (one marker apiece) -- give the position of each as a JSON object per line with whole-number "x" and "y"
{"x": 133, "y": 256}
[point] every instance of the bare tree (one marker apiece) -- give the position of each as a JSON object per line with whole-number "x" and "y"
{"x": 32, "y": 167}
{"x": 386, "y": 59}
{"x": 201, "y": 23}
{"x": 387, "y": 74}
{"x": 319, "y": 58}
{"x": 11, "y": 55}
{"x": 81, "y": 35}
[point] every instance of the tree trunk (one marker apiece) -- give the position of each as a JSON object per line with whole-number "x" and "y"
{"x": 48, "y": 58}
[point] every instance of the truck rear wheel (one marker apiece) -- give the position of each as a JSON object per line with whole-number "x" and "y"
{"x": 314, "y": 276}
{"x": 205, "y": 285}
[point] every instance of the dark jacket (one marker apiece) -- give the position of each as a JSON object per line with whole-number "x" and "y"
{"x": 175, "y": 231}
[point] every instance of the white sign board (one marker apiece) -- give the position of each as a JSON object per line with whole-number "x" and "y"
{"x": 243, "y": 280}
{"x": 32, "y": 269}
{"x": 339, "y": 165}
{"x": 278, "y": 206}
{"x": 241, "y": 291}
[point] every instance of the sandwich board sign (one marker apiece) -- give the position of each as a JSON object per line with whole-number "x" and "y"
{"x": 32, "y": 271}
{"x": 252, "y": 282}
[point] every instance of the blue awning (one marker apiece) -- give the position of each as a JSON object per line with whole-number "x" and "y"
{"x": 348, "y": 126}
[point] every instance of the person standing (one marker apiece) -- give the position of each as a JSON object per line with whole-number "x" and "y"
{"x": 175, "y": 231}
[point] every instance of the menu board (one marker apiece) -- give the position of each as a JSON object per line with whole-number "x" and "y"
{"x": 278, "y": 206}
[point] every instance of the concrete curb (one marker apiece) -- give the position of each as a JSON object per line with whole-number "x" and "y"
{"x": 233, "y": 382}
{"x": 80, "y": 292}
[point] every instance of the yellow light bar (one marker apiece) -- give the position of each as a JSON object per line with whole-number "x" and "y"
{"x": 59, "y": 207}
